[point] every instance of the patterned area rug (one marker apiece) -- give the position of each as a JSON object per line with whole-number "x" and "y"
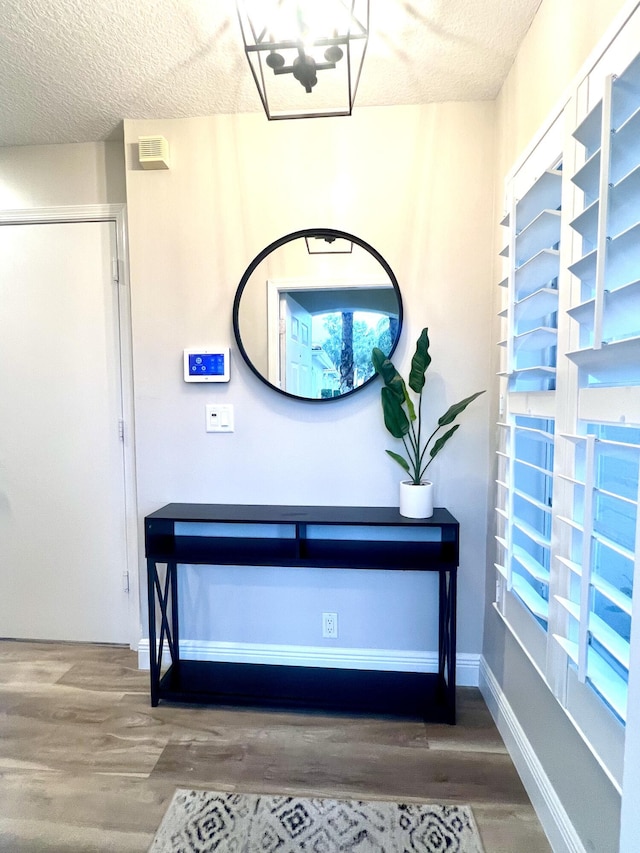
{"x": 204, "y": 821}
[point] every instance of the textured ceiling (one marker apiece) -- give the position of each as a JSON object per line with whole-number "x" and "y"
{"x": 71, "y": 70}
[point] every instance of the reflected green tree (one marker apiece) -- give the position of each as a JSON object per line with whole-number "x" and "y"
{"x": 365, "y": 338}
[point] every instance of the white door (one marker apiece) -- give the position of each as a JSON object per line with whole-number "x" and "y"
{"x": 297, "y": 347}
{"x": 62, "y": 510}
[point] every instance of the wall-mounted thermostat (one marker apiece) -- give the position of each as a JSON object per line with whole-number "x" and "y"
{"x": 206, "y": 365}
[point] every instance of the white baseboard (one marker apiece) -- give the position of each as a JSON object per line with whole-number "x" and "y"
{"x": 551, "y": 813}
{"x": 467, "y": 665}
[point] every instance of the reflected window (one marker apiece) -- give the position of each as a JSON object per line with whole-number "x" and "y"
{"x": 336, "y": 358}
{"x": 346, "y": 340}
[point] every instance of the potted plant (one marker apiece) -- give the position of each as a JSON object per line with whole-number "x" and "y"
{"x": 403, "y": 419}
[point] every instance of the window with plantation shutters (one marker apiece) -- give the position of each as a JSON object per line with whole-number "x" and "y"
{"x": 532, "y": 286}
{"x": 528, "y": 362}
{"x": 567, "y": 525}
{"x": 608, "y": 311}
{"x": 525, "y": 538}
{"x": 602, "y": 557}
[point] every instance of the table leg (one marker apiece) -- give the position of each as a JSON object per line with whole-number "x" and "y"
{"x": 447, "y": 640}
{"x": 154, "y": 665}
{"x": 166, "y": 597}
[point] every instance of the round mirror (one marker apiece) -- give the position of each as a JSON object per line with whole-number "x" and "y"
{"x": 311, "y": 307}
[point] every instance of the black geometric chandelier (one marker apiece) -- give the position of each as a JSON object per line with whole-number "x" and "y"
{"x": 305, "y": 55}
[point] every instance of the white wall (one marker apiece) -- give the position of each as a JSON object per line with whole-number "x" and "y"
{"x": 414, "y": 182}
{"x": 562, "y": 36}
{"x": 58, "y": 175}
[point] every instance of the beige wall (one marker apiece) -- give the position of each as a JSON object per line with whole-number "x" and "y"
{"x": 562, "y": 37}
{"x": 563, "y": 34}
{"x": 58, "y": 175}
{"x": 414, "y": 182}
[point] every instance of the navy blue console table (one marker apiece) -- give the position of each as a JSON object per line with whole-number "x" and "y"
{"x": 300, "y": 536}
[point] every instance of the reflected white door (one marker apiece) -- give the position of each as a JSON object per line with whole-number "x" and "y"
{"x": 62, "y": 497}
{"x": 297, "y": 347}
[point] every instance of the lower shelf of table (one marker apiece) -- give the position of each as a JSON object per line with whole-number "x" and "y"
{"x": 404, "y": 694}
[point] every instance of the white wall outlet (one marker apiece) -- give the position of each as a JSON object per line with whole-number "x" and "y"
{"x": 219, "y": 417}
{"x": 330, "y": 625}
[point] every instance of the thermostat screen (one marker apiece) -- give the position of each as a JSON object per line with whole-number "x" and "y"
{"x": 206, "y": 364}
{"x": 209, "y": 364}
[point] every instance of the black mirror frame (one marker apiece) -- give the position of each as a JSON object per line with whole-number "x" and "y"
{"x": 288, "y": 238}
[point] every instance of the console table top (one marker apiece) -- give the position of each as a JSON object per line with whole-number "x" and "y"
{"x": 277, "y": 514}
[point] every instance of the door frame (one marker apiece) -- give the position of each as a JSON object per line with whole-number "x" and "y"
{"x": 115, "y": 213}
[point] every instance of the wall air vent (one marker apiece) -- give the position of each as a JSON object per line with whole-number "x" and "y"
{"x": 153, "y": 152}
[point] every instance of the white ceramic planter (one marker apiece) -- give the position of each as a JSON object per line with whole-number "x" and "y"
{"x": 416, "y": 501}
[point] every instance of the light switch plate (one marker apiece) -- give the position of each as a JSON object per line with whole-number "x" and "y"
{"x": 219, "y": 417}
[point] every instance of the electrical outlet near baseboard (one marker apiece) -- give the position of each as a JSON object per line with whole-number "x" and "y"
{"x": 330, "y": 625}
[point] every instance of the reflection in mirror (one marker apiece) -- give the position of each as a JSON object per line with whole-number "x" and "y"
{"x": 309, "y": 310}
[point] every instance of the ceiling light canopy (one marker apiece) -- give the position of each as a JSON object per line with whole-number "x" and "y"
{"x": 305, "y": 55}
{"x": 328, "y": 245}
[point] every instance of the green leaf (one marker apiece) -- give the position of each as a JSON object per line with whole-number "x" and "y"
{"x": 440, "y": 443}
{"x": 420, "y": 362}
{"x": 410, "y": 407}
{"x": 390, "y": 376}
{"x": 452, "y": 413}
{"x": 395, "y": 417}
{"x": 378, "y": 358}
{"x": 399, "y": 459}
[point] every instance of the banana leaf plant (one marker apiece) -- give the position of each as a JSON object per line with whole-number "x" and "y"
{"x": 403, "y": 416}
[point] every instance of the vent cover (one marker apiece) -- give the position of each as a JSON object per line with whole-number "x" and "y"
{"x": 153, "y": 152}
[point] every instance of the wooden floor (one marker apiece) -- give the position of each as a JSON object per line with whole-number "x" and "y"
{"x": 87, "y": 765}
